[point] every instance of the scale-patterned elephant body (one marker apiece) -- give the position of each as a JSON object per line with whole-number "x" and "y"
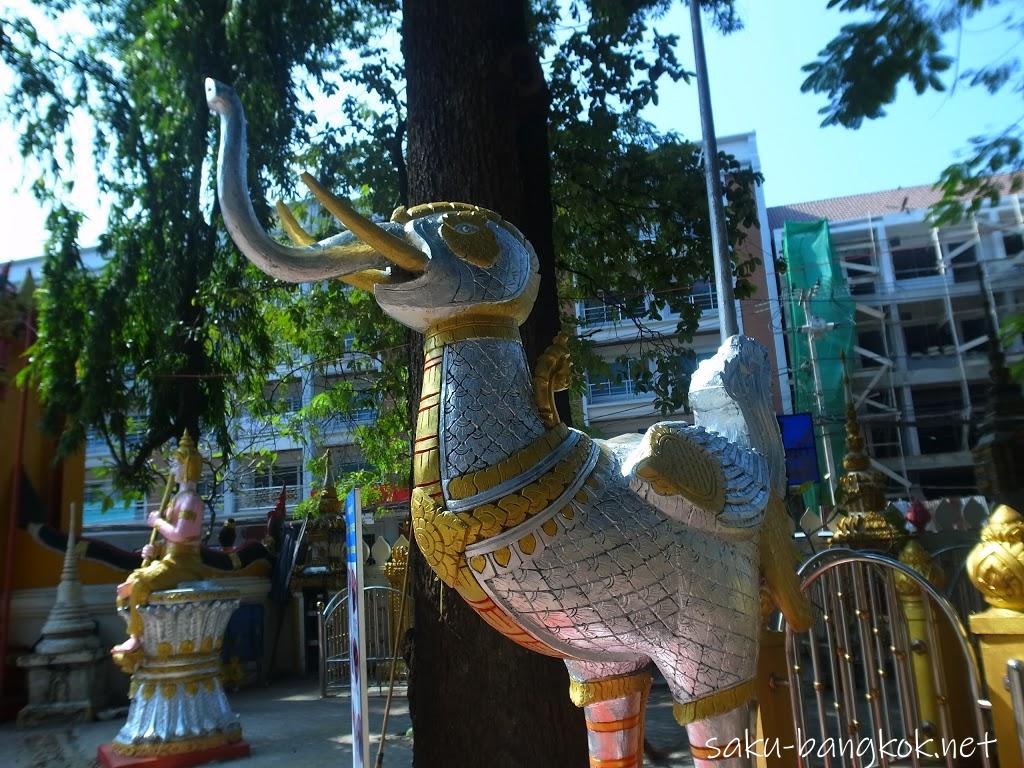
{"x": 610, "y": 554}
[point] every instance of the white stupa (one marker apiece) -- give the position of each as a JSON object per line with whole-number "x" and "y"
{"x": 62, "y": 666}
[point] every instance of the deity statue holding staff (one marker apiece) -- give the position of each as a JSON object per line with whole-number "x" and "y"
{"x": 181, "y": 527}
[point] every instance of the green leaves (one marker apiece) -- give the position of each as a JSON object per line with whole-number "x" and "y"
{"x": 172, "y": 326}
{"x": 860, "y": 69}
{"x": 630, "y": 203}
{"x": 178, "y": 327}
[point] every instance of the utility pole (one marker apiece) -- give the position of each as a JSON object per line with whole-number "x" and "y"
{"x": 815, "y": 328}
{"x": 713, "y": 180}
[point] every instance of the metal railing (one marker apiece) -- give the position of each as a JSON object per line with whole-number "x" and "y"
{"x": 612, "y": 311}
{"x": 1015, "y": 681}
{"x": 601, "y": 314}
{"x": 254, "y": 501}
{"x": 705, "y": 297}
{"x": 611, "y": 390}
{"x": 870, "y": 671}
{"x": 347, "y": 421}
{"x": 381, "y": 606}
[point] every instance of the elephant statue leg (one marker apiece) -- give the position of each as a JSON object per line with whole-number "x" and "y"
{"x": 614, "y": 700}
{"x": 717, "y": 742}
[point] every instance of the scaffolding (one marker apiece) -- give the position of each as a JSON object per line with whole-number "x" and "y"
{"x": 920, "y": 327}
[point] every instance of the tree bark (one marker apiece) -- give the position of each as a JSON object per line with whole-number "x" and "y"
{"x": 477, "y": 132}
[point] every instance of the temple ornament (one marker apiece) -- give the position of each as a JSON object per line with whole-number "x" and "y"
{"x": 178, "y": 710}
{"x": 181, "y": 527}
{"x": 996, "y": 564}
{"x": 608, "y": 554}
{"x": 861, "y": 501}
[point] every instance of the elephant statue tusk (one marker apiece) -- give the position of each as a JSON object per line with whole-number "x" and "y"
{"x": 294, "y": 230}
{"x": 395, "y": 249}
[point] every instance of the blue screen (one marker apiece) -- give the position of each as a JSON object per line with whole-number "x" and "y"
{"x": 801, "y": 448}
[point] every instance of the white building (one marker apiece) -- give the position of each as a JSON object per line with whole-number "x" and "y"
{"x": 613, "y": 404}
{"x": 250, "y": 490}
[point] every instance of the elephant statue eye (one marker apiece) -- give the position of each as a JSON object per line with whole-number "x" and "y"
{"x": 467, "y": 235}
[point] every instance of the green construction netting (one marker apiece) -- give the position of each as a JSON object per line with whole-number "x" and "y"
{"x": 813, "y": 271}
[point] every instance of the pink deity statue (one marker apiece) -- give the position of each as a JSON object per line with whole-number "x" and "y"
{"x": 181, "y": 527}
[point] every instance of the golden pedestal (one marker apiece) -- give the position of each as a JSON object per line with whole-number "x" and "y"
{"x": 996, "y": 567}
{"x": 774, "y": 706}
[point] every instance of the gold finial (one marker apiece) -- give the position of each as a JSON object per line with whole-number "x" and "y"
{"x": 328, "y": 505}
{"x": 916, "y": 557}
{"x": 861, "y": 492}
{"x": 189, "y": 458}
{"x": 996, "y": 564}
{"x": 855, "y": 459}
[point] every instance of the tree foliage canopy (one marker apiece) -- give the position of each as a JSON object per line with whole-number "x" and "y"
{"x": 168, "y": 334}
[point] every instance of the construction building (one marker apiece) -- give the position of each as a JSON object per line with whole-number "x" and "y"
{"x": 907, "y": 310}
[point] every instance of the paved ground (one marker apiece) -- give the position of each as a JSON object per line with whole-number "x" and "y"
{"x": 289, "y": 725}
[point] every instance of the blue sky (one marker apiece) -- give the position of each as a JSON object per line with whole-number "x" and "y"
{"x": 755, "y": 85}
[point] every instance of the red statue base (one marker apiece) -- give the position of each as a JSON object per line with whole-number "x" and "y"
{"x": 110, "y": 759}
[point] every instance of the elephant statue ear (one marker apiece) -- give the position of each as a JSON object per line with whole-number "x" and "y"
{"x": 361, "y": 254}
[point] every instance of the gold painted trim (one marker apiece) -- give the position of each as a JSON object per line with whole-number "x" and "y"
{"x": 190, "y": 596}
{"x": 630, "y": 761}
{"x": 552, "y": 374}
{"x": 583, "y": 693}
{"x": 714, "y": 704}
{"x": 160, "y": 671}
{"x": 712, "y": 754}
{"x": 614, "y": 726}
{"x": 472, "y": 483}
{"x": 165, "y": 653}
{"x": 506, "y": 513}
{"x": 470, "y": 326}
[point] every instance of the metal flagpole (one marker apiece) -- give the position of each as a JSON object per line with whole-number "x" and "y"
{"x": 713, "y": 180}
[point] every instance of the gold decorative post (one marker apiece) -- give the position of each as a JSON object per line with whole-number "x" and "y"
{"x": 924, "y": 657}
{"x": 864, "y": 524}
{"x": 394, "y": 570}
{"x": 996, "y": 568}
{"x": 861, "y": 497}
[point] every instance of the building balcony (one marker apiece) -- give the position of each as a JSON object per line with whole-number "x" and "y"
{"x": 604, "y": 391}
{"x": 608, "y": 322}
{"x": 258, "y": 501}
{"x": 345, "y": 424}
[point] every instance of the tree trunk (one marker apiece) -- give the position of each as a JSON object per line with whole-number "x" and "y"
{"x": 477, "y": 133}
